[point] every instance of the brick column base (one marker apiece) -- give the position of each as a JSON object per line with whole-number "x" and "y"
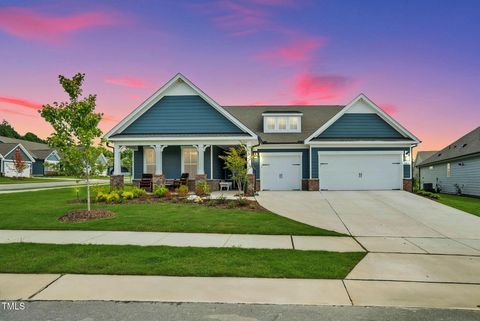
{"x": 408, "y": 185}
{"x": 116, "y": 182}
{"x": 313, "y": 184}
{"x": 158, "y": 180}
{"x": 200, "y": 177}
{"x": 258, "y": 185}
{"x": 250, "y": 185}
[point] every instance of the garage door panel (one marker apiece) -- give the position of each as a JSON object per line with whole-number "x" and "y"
{"x": 280, "y": 171}
{"x": 10, "y": 171}
{"x": 369, "y": 171}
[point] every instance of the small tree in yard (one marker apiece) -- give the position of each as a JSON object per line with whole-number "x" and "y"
{"x": 75, "y": 125}
{"x": 237, "y": 165}
{"x": 18, "y": 162}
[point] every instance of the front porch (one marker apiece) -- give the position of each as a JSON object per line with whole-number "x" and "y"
{"x": 167, "y": 162}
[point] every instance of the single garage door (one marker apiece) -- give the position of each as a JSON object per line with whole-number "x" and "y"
{"x": 280, "y": 171}
{"x": 360, "y": 171}
{"x": 10, "y": 171}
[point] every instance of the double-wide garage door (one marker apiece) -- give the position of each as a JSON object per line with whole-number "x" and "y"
{"x": 360, "y": 171}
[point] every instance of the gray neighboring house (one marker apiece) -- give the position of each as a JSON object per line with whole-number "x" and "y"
{"x": 42, "y": 154}
{"x": 421, "y": 156}
{"x": 456, "y": 168}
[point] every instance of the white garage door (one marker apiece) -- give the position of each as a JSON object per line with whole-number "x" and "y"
{"x": 9, "y": 169}
{"x": 280, "y": 171}
{"x": 360, "y": 171}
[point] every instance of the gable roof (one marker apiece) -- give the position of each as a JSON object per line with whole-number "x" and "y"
{"x": 464, "y": 146}
{"x": 159, "y": 94}
{"x": 423, "y": 155}
{"x": 387, "y": 118}
{"x": 312, "y": 117}
{"x": 8, "y": 148}
{"x": 36, "y": 150}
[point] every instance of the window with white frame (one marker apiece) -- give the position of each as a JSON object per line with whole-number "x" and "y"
{"x": 189, "y": 161}
{"x": 449, "y": 170}
{"x": 149, "y": 160}
{"x": 282, "y": 123}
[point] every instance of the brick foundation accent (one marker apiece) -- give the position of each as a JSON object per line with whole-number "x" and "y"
{"x": 304, "y": 184}
{"x": 214, "y": 184}
{"x": 116, "y": 182}
{"x": 257, "y": 189}
{"x": 136, "y": 182}
{"x": 200, "y": 177}
{"x": 408, "y": 185}
{"x": 158, "y": 180}
{"x": 250, "y": 184}
{"x": 313, "y": 184}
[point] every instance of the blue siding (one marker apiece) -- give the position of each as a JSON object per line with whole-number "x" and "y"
{"x": 172, "y": 162}
{"x": 464, "y": 172}
{"x": 37, "y": 167}
{"x": 218, "y": 164}
{"x": 316, "y": 150}
{"x": 360, "y": 126}
{"x": 52, "y": 158}
{"x": 138, "y": 163}
{"x": 305, "y": 159}
{"x": 11, "y": 155}
{"x": 182, "y": 115}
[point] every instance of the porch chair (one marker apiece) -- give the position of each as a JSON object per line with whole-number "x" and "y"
{"x": 182, "y": 181}
{"x": 147, "y": 182}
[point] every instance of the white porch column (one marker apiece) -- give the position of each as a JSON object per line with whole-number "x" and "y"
{"x": 117, "y": 160}
{"x": 201, "y": 158}
{"x": 249, "y": 159}
{"x": 158, "y": 158}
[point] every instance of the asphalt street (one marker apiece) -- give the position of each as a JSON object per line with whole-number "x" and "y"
{"x": 136, "y": 311}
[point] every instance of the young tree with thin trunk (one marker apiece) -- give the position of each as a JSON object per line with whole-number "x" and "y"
{"x": 236, "y": 163}
{"x": 75, "y": 125}
{"x": 18, "y": 163}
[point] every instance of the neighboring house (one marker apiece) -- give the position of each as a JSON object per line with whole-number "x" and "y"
{"x": 7, "y": 156}
{"x": 43, "y": 155}
{"x": 421, "y": 156}
{"x": 180, "y": 129}
{"x": 102, "y": 160}
{"x": 456, "y": 168}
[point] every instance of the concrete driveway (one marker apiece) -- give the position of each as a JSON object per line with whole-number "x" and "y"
{"x": 383, "y": 221}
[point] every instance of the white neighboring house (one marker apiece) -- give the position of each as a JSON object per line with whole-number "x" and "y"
{"x": 104, "y": 162}
{"x": 7, "y": 156}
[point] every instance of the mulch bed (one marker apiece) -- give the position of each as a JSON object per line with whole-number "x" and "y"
{"x": 84, "y": 215}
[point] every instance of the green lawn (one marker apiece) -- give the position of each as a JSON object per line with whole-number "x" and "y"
{"x": 464, "y": 203}
{"x": 179, "y": 261}
{"x": 12, "y": 180}
{"x": 41, "y": 210}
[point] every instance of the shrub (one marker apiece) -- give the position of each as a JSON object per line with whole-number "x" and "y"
{"x": 174, "y": 200}
{"x": 101, "y": 196}
{"x": 161, "y": 191}
{"x": 113, "y": 197}
{"x": 127, "y": 195}
{"x": 211, "y": 203}
{"x": 242, "y": 201}
{"x": 428, "y": 194}
{"x": 231, "y": 204}
{"x": 252, "y": 206}
{"x": 221, "y": 200}
{"x": 202, "y": 188}
{"x": 168, "y": 194}
{"x": 137, "y": 191}
{"x": 182, "y": 190}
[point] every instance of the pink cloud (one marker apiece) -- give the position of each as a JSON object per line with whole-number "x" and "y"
{"x": 15, "y": 112}
{"x": 30, "y": 24}
{"x": 21, "y": 102}
{"x": 298, "y": 51}
{"x": 109, "y": 118}
{"x": 310, "y": 87}
{"x": 131, "y": 82}
{"x": 389, "y": 108}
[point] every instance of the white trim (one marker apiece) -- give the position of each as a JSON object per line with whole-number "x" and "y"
{"x": 211, "y": 161}
{"x": 282, "y": 114}
{"x": 310, "y": 161}
{"x": 363, "y": 143}
{"x": 160, "y": 93}
{"x": 178, "y": 143}
{"x": 378, "y": 111}
{"x": 19, "y": 145}
{"x": 280, "y": 146}
{"x": 161, "y": 139}
{"x": 53, "y": 152}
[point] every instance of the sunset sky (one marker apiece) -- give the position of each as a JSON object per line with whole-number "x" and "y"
{"x": 419, "y": 60}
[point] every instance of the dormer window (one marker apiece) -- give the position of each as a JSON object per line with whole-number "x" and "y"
{"x": 282, "y": 122}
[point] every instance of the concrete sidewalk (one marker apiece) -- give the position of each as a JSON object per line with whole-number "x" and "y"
{"x": 317, "y": 243}
{"x": 25, "y": 186}
{"x": 237, "y": 290}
